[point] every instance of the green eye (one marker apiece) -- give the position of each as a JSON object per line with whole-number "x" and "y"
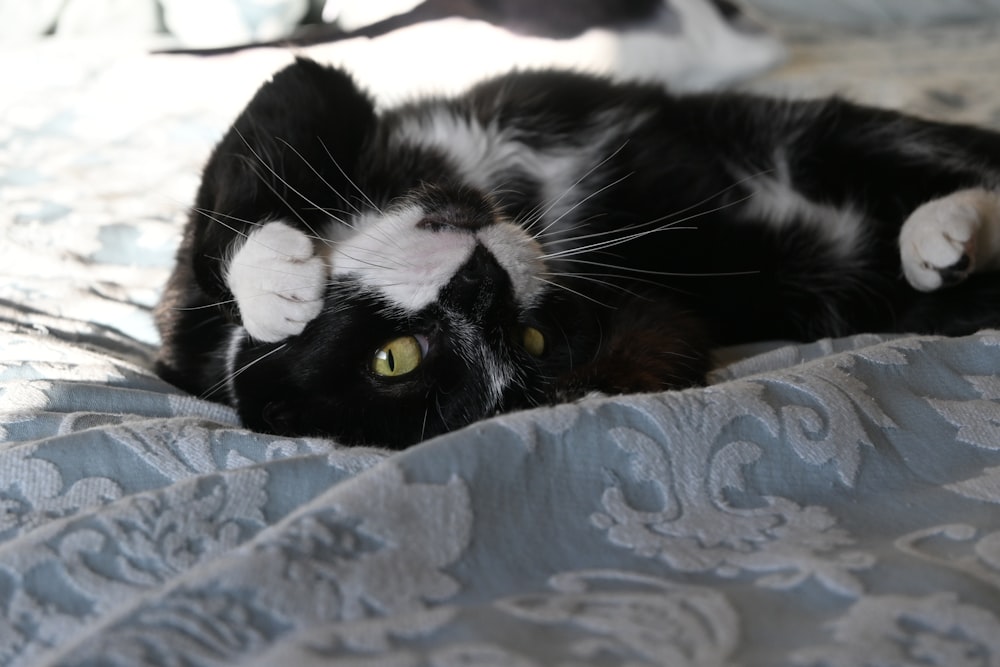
{"x": 398, "y": 357}
{"x": 533, "y": 341}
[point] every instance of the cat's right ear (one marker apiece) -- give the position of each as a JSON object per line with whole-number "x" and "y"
{"x": 307, "y": 101}
{"x": 305, "y": 118}
{"x": 292, "y": 155}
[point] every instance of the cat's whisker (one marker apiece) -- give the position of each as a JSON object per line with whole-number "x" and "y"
{"x": 558, "y": 285}
{"x": 383, "y": 236}
{"x": 284, "y": 182}
{"x": 578, "y": 204}
{"x": 349, "y": 179}
{"x": 618, "y": 232}
{"x": 207, "y": 306}
{"x": 279, "y": 292}
{"x": 208, "y": 393}
{"x": 327, "y": 183}
{"x": 377, "y": 234}
{"x": 495, "y": 197}
{"x": 248, "y": 237}
{"x": 281, "y": 197}
{"x": 440, "y": 412}
{"x": 572, "y": 187}
{"x": 212, "y": 215}
{"x": 231, "y": 228}
{"x": 706, "y": 200}
{"x": 595, "y": 279}
{"x": 209, "y": 213}
{"x": 331, "y": 213}
{"x": 665, "y": 274}
{"x": 320, "y": 176}
{"x": 395, "y": 264}
{"x": 673, "y": 225}
{"x": 595, "y": 276}
{"x": 335, "y": 310}
{"x": 427, "y": 410}
{"x": 339, "y": 216}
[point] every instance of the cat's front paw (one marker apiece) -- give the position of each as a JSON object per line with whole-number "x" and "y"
{"x": 278, "y": 282}
{"x": 946, "y": 239}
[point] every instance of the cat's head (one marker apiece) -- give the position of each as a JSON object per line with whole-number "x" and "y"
{"x": 435, "y": 315}
{"x": 441, "y": 307}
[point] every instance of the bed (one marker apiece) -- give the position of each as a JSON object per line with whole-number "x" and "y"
{"x": 831, "y": 504}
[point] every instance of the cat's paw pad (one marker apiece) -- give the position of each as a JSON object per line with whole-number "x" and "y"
{"x": 938, "y": 242}
{"x": 278, "y": 282}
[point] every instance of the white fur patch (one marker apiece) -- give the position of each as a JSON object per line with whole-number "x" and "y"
{"x": 406, "y": 263}
{"x": 519, "y": 255}
{"x": 939, "y": 234}
{"x": 482, "y": 152}
{"x": 775, "y": 201}
{"x": 409, "y": 264}
{"x": 277, "y": 280}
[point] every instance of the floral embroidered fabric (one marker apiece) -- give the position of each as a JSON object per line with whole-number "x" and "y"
{"x": 823, "y": 505}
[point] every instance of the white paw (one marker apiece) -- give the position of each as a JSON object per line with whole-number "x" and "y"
{"x": 938, "y": 242}
{"x": 278, "y": 282}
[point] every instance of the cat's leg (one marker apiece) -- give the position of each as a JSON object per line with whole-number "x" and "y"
{"x": 947, "y": 239}
{"x": 278, "y": 281}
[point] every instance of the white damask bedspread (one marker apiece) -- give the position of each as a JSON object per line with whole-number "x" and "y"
{"x": 835, "y": 504}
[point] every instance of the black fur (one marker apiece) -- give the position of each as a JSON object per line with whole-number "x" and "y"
{"x": 676, "y": 173}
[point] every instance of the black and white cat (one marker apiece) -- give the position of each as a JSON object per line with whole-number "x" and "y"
{"x": 384, "y": 276}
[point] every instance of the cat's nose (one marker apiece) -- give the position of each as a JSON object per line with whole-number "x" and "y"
{"x": 478, "y": 286}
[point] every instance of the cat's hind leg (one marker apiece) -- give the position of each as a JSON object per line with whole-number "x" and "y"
{"x": 947, "y": 239}
{"x": 278, "y": 281}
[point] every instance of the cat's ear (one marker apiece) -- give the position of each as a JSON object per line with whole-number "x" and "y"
{"x": 291, "y": 155}
{"x": 302, "y": 132}
{"x": 306, "y": 103}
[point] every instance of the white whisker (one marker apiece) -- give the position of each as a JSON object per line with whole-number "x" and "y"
{"x": 204, "y": 307}
{"x": 573, "y": 291}
{"x": 541, "y": 233}
{"x": 570, "y": 252}
{"x": 288, "y": 185}
{"x": 665, "y": 274}
{"x": 232, "y": 376}
{"x": 541, "y": 214}
{"x": 349, "y": 179}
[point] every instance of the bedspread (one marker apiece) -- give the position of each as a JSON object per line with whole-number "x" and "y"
{"x": 833, "y": 504}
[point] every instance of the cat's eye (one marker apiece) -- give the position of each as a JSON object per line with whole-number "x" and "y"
{"x": 398, "y": 357}
{"x": 533, "y": 341}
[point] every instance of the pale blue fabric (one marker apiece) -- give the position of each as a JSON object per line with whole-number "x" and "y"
{"x": 824, "y": 505}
